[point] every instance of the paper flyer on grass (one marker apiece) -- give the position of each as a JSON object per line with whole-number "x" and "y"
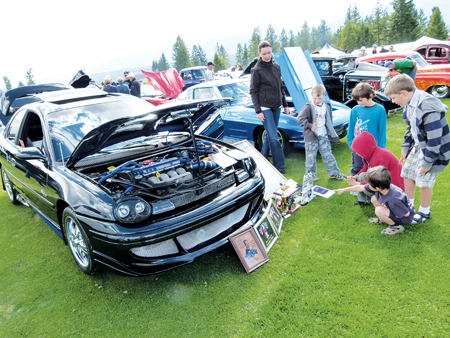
{"x": 323, "y": 192}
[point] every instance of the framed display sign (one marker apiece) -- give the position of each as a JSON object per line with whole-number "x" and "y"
{"x": 249, "y": 249}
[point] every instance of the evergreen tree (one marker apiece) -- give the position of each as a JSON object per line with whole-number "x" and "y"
{"x": 7, "y": 83}
{"x": 436, "y": 28}
{"x": 239, "y": 54}
{"x": 304, "y": 38}
{"x": 219, "y": 62}
{"x": 246, "y": 57}
{"x": 180, "y": 54}
{"x": 30, "y": 77}
{"x": 423, "y": 23}
{"x": 284, "y": 39}
{"x": 323, "y": 34}
{"x": 292, "y": 41}
{"x": 404, "y": 22}
{"x": 224, "y": 59}
{"x": 20, "y": 84}
{"x": 155, "y": 67}
{"x": 198, "y": 56}
{"x": 254, "y": 41}
{"x": 273, "y": 39}
{"x": 163, "y": 64}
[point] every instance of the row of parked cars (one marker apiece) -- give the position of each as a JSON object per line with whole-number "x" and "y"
{"x": 140, "y": 188}
{"x": 433, "y": 78}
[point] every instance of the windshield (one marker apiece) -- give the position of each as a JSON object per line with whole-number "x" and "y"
{"x": 149, "y": 90}
{"x": 419, "y": 59}
{"x": 69, "y": 126}
{"x": 238, "y": 91}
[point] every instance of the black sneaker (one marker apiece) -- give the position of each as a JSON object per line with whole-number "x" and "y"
{"x": 282, "y": 170}
{"x": 338, "y": 177}
{"x": 362, "y": 204}
{"x": 420, "y": 217}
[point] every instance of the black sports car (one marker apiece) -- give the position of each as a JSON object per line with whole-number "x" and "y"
{"x": 126, "y": 185}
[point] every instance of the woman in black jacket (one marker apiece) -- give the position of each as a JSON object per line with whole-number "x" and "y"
{"x": 268, "y": 97}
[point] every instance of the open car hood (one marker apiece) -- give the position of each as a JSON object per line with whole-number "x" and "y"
{"x": 168, "y": 117}
{"x": 169, "y": 82}
{"x": 80, "y": 80}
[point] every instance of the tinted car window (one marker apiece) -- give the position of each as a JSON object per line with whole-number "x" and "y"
{"x": 198, "y": 73}
{"x": 15, "y": 125}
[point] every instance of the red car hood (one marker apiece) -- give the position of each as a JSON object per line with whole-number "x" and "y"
{"x": 169, "y": 82}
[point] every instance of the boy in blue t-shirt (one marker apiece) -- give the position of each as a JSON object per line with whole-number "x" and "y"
{"x": 366, "y": 116}
{"x": 390, "y": 202}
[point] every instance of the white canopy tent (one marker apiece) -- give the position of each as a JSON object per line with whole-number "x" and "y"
{"x": 328, "y": 50}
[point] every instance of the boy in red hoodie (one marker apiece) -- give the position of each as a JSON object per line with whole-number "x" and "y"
{"x": 366, "y": 147}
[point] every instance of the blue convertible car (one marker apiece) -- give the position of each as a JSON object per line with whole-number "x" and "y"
{"x": 238, "y": 121}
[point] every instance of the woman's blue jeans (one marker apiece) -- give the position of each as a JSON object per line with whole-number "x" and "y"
{"x": 271, "y": 144}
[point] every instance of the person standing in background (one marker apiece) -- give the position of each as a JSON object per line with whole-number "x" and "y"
{"x": 266, "y": 90}
{"x": 426, "y": 145}
{"x": 317, "y": 121}
{"x": 122, "y": 87}
{"x": 403, "y": 66}
{"x": 125, "y": 78}
{"x": 209, "y": 73}
{"x": 107, "y": 85}
{"x": 374, "y": 49}
{"x": 135, "y": 88}
{"x": 366, "y": 116}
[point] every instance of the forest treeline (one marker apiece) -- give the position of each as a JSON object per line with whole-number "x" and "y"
{"x": 401, "y": 23}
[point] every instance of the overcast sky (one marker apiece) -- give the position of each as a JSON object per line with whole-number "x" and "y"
{"x": 59, "y": 37}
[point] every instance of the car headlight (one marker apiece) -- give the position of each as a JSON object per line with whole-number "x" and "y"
{"x": 132, "y": 209}
{"x": 248, "y": 169}
{"x": 249, "y": 166}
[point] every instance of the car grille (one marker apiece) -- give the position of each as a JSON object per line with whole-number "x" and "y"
{"x": 218, "y": 185}
{"x": 193, "y": 238}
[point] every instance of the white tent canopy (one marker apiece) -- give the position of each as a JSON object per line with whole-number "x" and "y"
{"x": 328, "y": 50}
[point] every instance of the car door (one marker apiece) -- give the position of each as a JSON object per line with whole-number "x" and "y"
{"x": 27, "y": 160}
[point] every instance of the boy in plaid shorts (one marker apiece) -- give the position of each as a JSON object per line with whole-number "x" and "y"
{"x": 426, "y": 146}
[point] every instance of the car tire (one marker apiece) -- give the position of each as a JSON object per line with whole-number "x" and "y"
{"x": 78, "y": 242}
{"x": 9, "y": 187}
{"x": 262, "y": 134}
{"x": 440, "y": 92}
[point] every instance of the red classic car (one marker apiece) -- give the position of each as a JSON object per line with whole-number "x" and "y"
{"x": 434, "y": 79}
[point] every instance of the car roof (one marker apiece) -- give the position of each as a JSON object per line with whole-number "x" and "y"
{"x": 382, "y": 56}
{"x": 14, "y": 93}
{"x": 71, "y": 95}
{"x": 53, "y": 101}
{"x": 193, "y": 68}
{"x": 216, "y": 83}
{"x": 333, "y": 57}
{"x": 19, "y": 96}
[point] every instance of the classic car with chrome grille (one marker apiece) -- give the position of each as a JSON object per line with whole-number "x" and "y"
{"x": 126, "y": 185}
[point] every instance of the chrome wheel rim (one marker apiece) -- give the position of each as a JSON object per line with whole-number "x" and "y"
{"x": 439, "y": 91}
{"x": 76, "y": 242}
{"x": 280, "y": 138}
{"x": 8, "y": 187}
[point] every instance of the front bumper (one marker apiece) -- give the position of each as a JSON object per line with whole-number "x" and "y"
{"x": 188, "y": 236}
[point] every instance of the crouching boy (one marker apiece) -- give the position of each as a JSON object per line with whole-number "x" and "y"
{"x": 390, "y": 202}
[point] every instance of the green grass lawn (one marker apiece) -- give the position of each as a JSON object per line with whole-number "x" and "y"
{"x": 330, "y": 274}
